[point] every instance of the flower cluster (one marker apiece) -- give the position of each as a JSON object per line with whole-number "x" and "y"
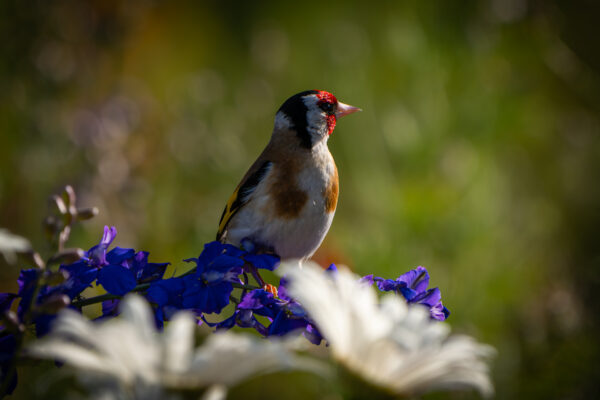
{"x": 284, "y": 314}
{"x": 126, "y": 357}
{"x": 398, "y": 349}
{"x": 118, "y": 271}
{"x": 220, "y": 278}
{"x": 43, "y": 292}
{"x": 208, "y": 287}
{"x": 412, "y": 285}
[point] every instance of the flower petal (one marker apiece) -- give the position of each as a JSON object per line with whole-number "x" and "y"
{"x": 263, "y": 261}
{"x": 116, "y": 279}
{"x": 118, "y": 255}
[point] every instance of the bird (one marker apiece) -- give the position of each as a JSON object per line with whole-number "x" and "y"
{"x": 286, "y": 201}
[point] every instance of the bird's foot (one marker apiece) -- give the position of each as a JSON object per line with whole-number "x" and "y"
{"x": 271, "y": 289}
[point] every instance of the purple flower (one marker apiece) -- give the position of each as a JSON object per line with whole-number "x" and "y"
{"x": 208, "y": 289}
{"x": 110, "y": 308}
{"x": 167, "y": 294}
{"x": 259, "y": 255}
{"x": 332, "y": 269}
{"x": 97, "y": 254}
{"x": 6, "y": 300}
{"x": 85, "y": 271}
{"x": 8, "y": 347}
{"x": 262, "y": 261}
{"x": 119, "y": 271}
{"x": 27, "y": 280}
{"x": 284, "y": 314}
{"x": 261, "y": 302}
{"x": 116, "y": 279}
{"x": 412, "y": 285}
{"x": 81, "y": 275}
{"x": 145, "y": 271}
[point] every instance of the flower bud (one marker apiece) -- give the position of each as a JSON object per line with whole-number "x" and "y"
{"x": 67, "y": 256}
{"x": 87, "y": 213}
{"x": 54, "y": 303}
{"x": 69, "y": 195}
{"x": 51, "y": 225}
{"x": 60, "y": 204}
{"x": 56, "y": 278}
{"x": 34, "y": 258}
{"x": 64, "y": 235}
{"x": 11, "y": 321}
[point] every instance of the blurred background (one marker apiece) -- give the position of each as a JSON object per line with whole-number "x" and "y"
{"x": 476, "y": 154}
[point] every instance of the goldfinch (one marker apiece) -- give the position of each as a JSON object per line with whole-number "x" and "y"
{"x": 286, "y": 201}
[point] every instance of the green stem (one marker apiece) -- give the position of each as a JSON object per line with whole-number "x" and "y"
{"x": 139, "y": 288}
{"x": 245, "y": 287}
{"x": 107, "y": 296}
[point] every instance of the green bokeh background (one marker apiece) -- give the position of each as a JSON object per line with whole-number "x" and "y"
{"x": 476, "y": 154}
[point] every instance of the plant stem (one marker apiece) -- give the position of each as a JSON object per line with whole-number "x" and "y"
{"x": 245, "y": 287}
{"x": 139, "y": 288}
{"x": 107, "y": 296}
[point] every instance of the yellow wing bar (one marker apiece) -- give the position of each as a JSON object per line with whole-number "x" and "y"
{"x": 241, "y": 195}
{"x": 228, "y": 212}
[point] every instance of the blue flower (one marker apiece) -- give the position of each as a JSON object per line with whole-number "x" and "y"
{"x": 110, "y": 308}
{"x": 293, "y": 317}
{"x": 209, "y": 287}
{"x": 242, "y": 318}
{"x": 81, "y": 275}
{"x": 284, "y": 314}
{"x": 85, "y": 271}
{"x": 97, "y": 254}
{"x": 262, "y": 261}
{"x": 207, "y": 296}
{"x": 116, "y": 279}
{"x": 259, "y": 255}
{"x": 145, "y": 271}
{"x": 27, "y": 281}
{"x": 8, "y": 347}
{"x": 207, "y": 290}
{"x": 261, "y": 302}
{"x": 6, "y": 300}
{"x": 167, "y": 294}
{"x": 119, "y": 271}
{"x": 412, "y": 285}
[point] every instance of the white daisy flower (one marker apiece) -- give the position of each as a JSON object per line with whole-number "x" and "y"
{"x": 126, "y": 357}
{"x": 388, "y": 344}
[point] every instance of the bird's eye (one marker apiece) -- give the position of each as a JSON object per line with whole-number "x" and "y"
{"x": 327, "y": 107}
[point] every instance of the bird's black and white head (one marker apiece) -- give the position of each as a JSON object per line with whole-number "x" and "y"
{"x": 312, "y": 115}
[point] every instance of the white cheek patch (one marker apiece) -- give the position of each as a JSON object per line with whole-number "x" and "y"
{"x": 316, "y": 119}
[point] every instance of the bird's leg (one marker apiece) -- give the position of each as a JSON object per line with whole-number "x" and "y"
{"x": 271, "y": 289}
{"x": 261, "y": 282}
{"x": 258, "y": 248}
{"x": 254, "y": 272}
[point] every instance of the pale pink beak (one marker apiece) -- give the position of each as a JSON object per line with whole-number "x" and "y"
{"x": 345, "y": 109}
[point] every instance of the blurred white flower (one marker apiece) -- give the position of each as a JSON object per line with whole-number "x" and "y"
{"x": 11, "y": 244}
{"x": 390, "y": 345}
{"x": 126, "y": 357}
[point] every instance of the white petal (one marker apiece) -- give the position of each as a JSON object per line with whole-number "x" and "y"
{"x": 390, "y": 344}
{"x": 178, "y": 342}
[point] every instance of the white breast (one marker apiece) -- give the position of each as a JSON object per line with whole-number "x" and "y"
{"x": 297, "y": 237}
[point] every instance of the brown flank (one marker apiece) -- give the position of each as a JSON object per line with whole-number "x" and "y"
{"x": 289, "y": 199}
{"x": 332, "y": 191}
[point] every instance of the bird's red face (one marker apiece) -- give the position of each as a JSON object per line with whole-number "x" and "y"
{"x": 327, "y": 102}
